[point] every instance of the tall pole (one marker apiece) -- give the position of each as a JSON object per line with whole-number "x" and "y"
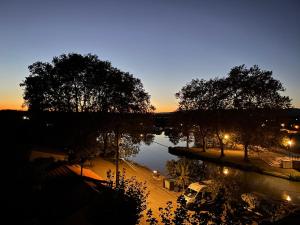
{"x": 117, "y": 159}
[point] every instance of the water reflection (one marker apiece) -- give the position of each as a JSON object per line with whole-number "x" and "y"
{"x": 155, "y": 157}
{"x": 270, "y": 187}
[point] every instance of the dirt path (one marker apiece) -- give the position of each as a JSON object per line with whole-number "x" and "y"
{"x": 158, "y": 196}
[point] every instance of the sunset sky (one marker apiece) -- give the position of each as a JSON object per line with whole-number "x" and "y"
{"x": 165, "y": 43}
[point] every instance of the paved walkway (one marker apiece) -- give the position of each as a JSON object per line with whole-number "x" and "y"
{"x": 158, "y": 196}
{"x": 236, "y": 158}
{"x": 275, "y": 158}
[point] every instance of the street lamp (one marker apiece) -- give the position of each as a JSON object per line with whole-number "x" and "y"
{"x": 225, "y": 139}
{"x": 225, "y": 170}
{"x": 25, "y": 118}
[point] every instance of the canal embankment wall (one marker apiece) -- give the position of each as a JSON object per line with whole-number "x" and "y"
{"x": 234, "y": 158}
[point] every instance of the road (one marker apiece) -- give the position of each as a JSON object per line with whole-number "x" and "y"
{"x": 158, "y": 196}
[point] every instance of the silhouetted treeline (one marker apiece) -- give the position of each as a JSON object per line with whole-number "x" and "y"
{"x": 83, "y": 83}
{"x": 59, "y": 129}
{"x": 260, "y": 127}
{"x": 244, "y": 101}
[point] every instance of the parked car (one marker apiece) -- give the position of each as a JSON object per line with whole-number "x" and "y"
{"x": 198, "y": 193}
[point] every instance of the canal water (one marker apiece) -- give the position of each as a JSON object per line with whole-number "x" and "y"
{"x": 155, "y": 156}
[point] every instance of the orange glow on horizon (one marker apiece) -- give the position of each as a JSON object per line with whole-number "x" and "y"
{"x": 18, "y": 106}
{"x": 164, "y": 105}
{"x": 12, "y": 106}
{"x": 166, "y": 108}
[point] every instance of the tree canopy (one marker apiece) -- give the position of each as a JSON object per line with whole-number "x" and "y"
{"x": 83, "y": 83}
{"x": 255, "y": 88}
{"x": 243, "y": 88}
{"x": 243, "y": 101}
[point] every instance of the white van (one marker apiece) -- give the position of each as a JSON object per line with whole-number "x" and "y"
{"x": 197, "y": 191}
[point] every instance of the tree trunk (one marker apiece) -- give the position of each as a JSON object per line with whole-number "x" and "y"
{"x": 222, "y": 148}
{"x": 204, "y": 144}
{"x": 187, "y": 140}
{"x": 221, "y": 145}
{"x": 117, "y": 159}
{"x": 246, "y": 152}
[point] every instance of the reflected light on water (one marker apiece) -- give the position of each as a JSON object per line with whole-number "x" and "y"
{"x": 287, "y": 197}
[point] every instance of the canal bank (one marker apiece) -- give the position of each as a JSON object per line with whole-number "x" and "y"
{"x": 156, "y": 157}
{"x": 235, "y": 159}
{"x": 159, "y": 196}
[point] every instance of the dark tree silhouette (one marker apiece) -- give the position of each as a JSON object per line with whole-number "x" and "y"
{"x": 206, "y": 96}
{"x": 255, "y": 88}
{"x": 182, "y": 127}
{"x": 126, "y": 130}
{"x": 257, "y": 94}
{"x": 83, "y": 83}
{"x": 253, "y": 93}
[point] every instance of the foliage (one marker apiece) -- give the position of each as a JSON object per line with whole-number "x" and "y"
{"x": 255, "y": 88}
{"x": 203, "y": 95}
{"x": 229, "y": 206}
{"x": 185, "y": 171}
{"x": 129, "y": 144}
{"x": 174, "y": 135}
{"x": 202, "y": 131}
{"x": 83, "y": 150}
{"x": 83, "y": 83}
{"x": 134, "y": 191}
{"x": 148, "y": 139}
{"x": 228, "y": 209}
{"x": 182, "y": 127}
{"x": 249, "y": 95}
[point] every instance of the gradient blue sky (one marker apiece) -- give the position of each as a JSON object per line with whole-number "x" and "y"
{"x": 165, "y": 43}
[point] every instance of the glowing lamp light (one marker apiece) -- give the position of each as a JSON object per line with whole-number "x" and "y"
{"x": 288, "y": 198}
{"x": 226, "y": 136}
{"x": 296, "y": 126}
{"x": 141, "y": 135}
{"x": 282, "y": 124}
{"x": 25, "y": 118}
{"x": 155, "y": 174}
{"x": 226, "y": 171}
{"x": 290, "y": 143}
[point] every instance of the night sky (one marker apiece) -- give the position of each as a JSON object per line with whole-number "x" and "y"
{"x": 165, "y": 43}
